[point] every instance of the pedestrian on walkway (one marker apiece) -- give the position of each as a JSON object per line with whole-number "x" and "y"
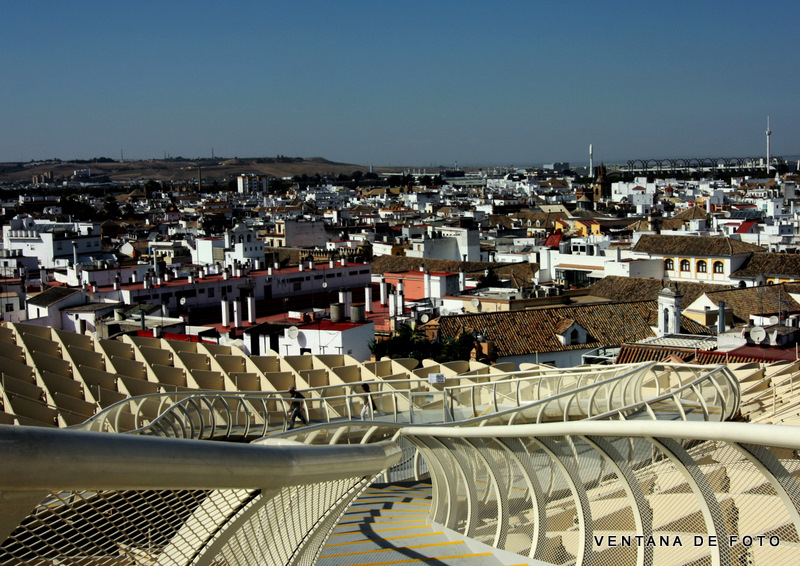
{"x": 369, "y": 403}
{"x": 297, "y": 408}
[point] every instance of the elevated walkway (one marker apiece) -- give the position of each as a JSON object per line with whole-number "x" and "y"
{"x": 388, "y": 524}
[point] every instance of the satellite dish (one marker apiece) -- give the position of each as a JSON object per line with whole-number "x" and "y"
{"x": 292, "y": 333}
{"x": 757, "y": 334}
{"x": 324, "y": 284}
{"x": 475, "y": 303}
{"x": 774, "y": 320}
{"x": 183, "y": 300}
{"x": 424, "y": 318}
{"x": 444, "y": 311}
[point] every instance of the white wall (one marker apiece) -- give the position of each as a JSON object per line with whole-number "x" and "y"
{"x": 352, "y": 341}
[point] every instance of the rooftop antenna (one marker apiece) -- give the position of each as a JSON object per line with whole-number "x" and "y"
{"x": 591, "y": 161}
{"x": 769, "y": 133}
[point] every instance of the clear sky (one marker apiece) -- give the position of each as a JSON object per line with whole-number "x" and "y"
{"x": 399, "y": 83}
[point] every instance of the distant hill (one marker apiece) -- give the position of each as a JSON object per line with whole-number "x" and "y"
{"x": 220, "y": 169}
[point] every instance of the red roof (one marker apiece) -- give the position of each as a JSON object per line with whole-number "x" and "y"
{"x": 746, "y": 227}
{"x": 553, "y": 240}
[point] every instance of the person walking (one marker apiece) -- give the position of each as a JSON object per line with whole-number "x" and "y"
{"x": 297, "y": 408}
{"x": 369, "y": 403}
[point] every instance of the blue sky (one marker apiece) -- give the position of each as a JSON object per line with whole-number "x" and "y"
{"x": 399, "y": 83}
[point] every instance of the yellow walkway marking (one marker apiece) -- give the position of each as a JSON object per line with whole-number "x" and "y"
{"x": 423, "y": 526}
{"x": 383, "y": 538}
{"x": 364, "y": 502}
{"x": 395, "y": 548}
{"x": 407, "y": 560}
{"x": 359, "y": 515}
{"x": 357, "y": 520}
{"x": 384, "y": 522}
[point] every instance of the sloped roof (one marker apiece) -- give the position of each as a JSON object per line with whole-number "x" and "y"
{"x": 769, "y": 263}
{"x": 757, "y": 300}
{"x": 635, "y": 353}
{"x": 518, "y": 333}
{"x": 553, "y": 240}
{"x": 693, "y": 245}
{"x": 746, "y": 227}
{"x": 692, "y": 213}
{"x": 643, "y": 225}
{"x": 51, "y": 296}
{"x": 639, "y": 289}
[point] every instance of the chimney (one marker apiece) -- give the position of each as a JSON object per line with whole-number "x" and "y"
{"x": 251, "y": 309}
{"x": 401, "y": 301}
{"x": 225, "y": 314}
{"x": 462, "y": 281}
{"x": 368, "y": 299}
{"x": 331, "y": 263}
{"x": 427, "y": 284}
{"x": 237, "y": 313}
{"x": 383, "y": 291}
{"x": 721, "y": 318}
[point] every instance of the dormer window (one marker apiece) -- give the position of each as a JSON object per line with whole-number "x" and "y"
{"x": 570, "y": 332}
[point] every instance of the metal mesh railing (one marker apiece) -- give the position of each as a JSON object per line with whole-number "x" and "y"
{"x": 646, "y": 390}
{"x": 604, "y": 493}
{"x": 74, "y": 498}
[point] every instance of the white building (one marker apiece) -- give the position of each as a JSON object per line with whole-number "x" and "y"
{"x": 56, "y": 244}
{"x": 240, "y": 245}
{"x": 455, "y": 244}
{"x": 251, "y": 183}
{"x": 326, "y": 337}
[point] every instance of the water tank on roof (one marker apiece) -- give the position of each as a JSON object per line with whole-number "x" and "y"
{"x": 337, "y": 312}
{"x": 358, "y": 312}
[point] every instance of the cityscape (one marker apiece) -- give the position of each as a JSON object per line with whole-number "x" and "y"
{"x": 391, "y": 285}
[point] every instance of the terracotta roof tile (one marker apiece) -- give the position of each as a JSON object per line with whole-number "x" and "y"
{"x": 693, "y": 245}
{"x": 769, "y": 263}
{"x": 524, "y": 332}
{"x": 638, "y": 289}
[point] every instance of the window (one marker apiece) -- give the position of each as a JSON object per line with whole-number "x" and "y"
{"x": 211, "y": 292}
{"x": 685, "y": 265}
{"x": 719, "y": 267}
{"x": 669, "y": 264}
{"x": 701, "y": 266}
